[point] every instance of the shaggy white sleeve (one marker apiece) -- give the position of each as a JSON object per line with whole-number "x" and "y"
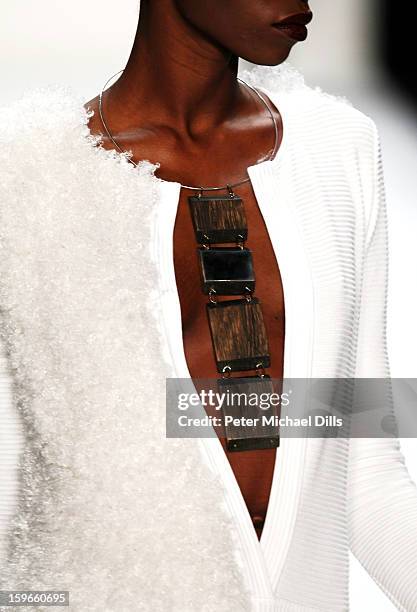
{"x": 382, "y": 498}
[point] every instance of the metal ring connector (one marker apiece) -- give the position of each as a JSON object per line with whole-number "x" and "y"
{"x": 212, "y": 293}
{"x": 260, "y": 369}
{"x": 226, "y": 372}
{"x": 248, "y": 294}
{"x": 230, "y": 190}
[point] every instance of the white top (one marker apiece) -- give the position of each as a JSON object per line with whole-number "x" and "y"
{"x": 322, "y": 199}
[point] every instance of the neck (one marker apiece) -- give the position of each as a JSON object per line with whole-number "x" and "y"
{"x": 192, "y": 80}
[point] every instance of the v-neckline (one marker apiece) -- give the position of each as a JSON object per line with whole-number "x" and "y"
{"x": 266, "y": 556}
{"x": 211, "y": 447}
{"x": 174, "y": 185}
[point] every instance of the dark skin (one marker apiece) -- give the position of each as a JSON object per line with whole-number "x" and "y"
{"x": 178, "y": 101}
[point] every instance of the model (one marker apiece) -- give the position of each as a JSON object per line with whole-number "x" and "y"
{"x": 112, "y": 211}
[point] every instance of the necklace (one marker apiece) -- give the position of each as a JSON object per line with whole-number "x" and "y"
{"x": 229, "y": 187}
{"x": 237, "y": 326}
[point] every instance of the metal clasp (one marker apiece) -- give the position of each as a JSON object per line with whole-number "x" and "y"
{"x": 248, "y": 294}
{"x": 260, "y": 370}
{"x": 206, "y": 243}
{"x": 226, "y": 371}
{"x": 211, "y": 295}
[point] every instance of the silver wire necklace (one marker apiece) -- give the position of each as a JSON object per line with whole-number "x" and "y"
{"x": 229, "y": 187}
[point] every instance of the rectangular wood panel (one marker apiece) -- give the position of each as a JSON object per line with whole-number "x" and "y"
{"x": 218, "y": 219}
{"x": 239, "y": 335}
{"x": 252, "y": 419}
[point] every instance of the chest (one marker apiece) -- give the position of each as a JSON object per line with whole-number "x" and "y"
{"x": 253, "y": 469}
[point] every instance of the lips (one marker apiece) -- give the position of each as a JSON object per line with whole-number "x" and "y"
{"x": 293, "y": 30}
{"x": 294, "y": 26}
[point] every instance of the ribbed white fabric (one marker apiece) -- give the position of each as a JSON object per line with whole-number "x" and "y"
{"x": 11, "y": 444}
{"x": 322, "y": 199}
{"x": 306, "y": 198}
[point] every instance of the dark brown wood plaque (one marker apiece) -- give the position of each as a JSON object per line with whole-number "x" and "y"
{"x": 218, "y": 219}
{"x": 239, "y": 335}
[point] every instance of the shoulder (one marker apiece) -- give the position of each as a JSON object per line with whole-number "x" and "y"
{"x": 49, "y": 158}
{"x": 39, "y": 132}
{"x": 318, "y": 117}
{"x": 335, "y": 142}
{"x": 46, "y": 133}
{"x": 43, "y": 119}
{"x": 42, "y": 148}
{"x": 38, "y": 135}
{"x": 45, "y": 140}
{"x": 53, "y": 108}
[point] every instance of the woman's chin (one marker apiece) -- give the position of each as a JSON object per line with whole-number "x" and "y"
{"x": 271, "y": 57}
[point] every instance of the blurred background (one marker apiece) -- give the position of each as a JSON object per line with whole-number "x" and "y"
{"x": 360, "y": 49}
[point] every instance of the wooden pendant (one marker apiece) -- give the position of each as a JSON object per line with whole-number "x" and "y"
{"x": 247, "y": 424}
{"x": 239, "y": 335}
{"x": 227, "y": 270}
{"x": 218, "y": 219}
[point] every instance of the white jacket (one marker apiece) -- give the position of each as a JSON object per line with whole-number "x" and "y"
{"x": 110, "y": 509}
